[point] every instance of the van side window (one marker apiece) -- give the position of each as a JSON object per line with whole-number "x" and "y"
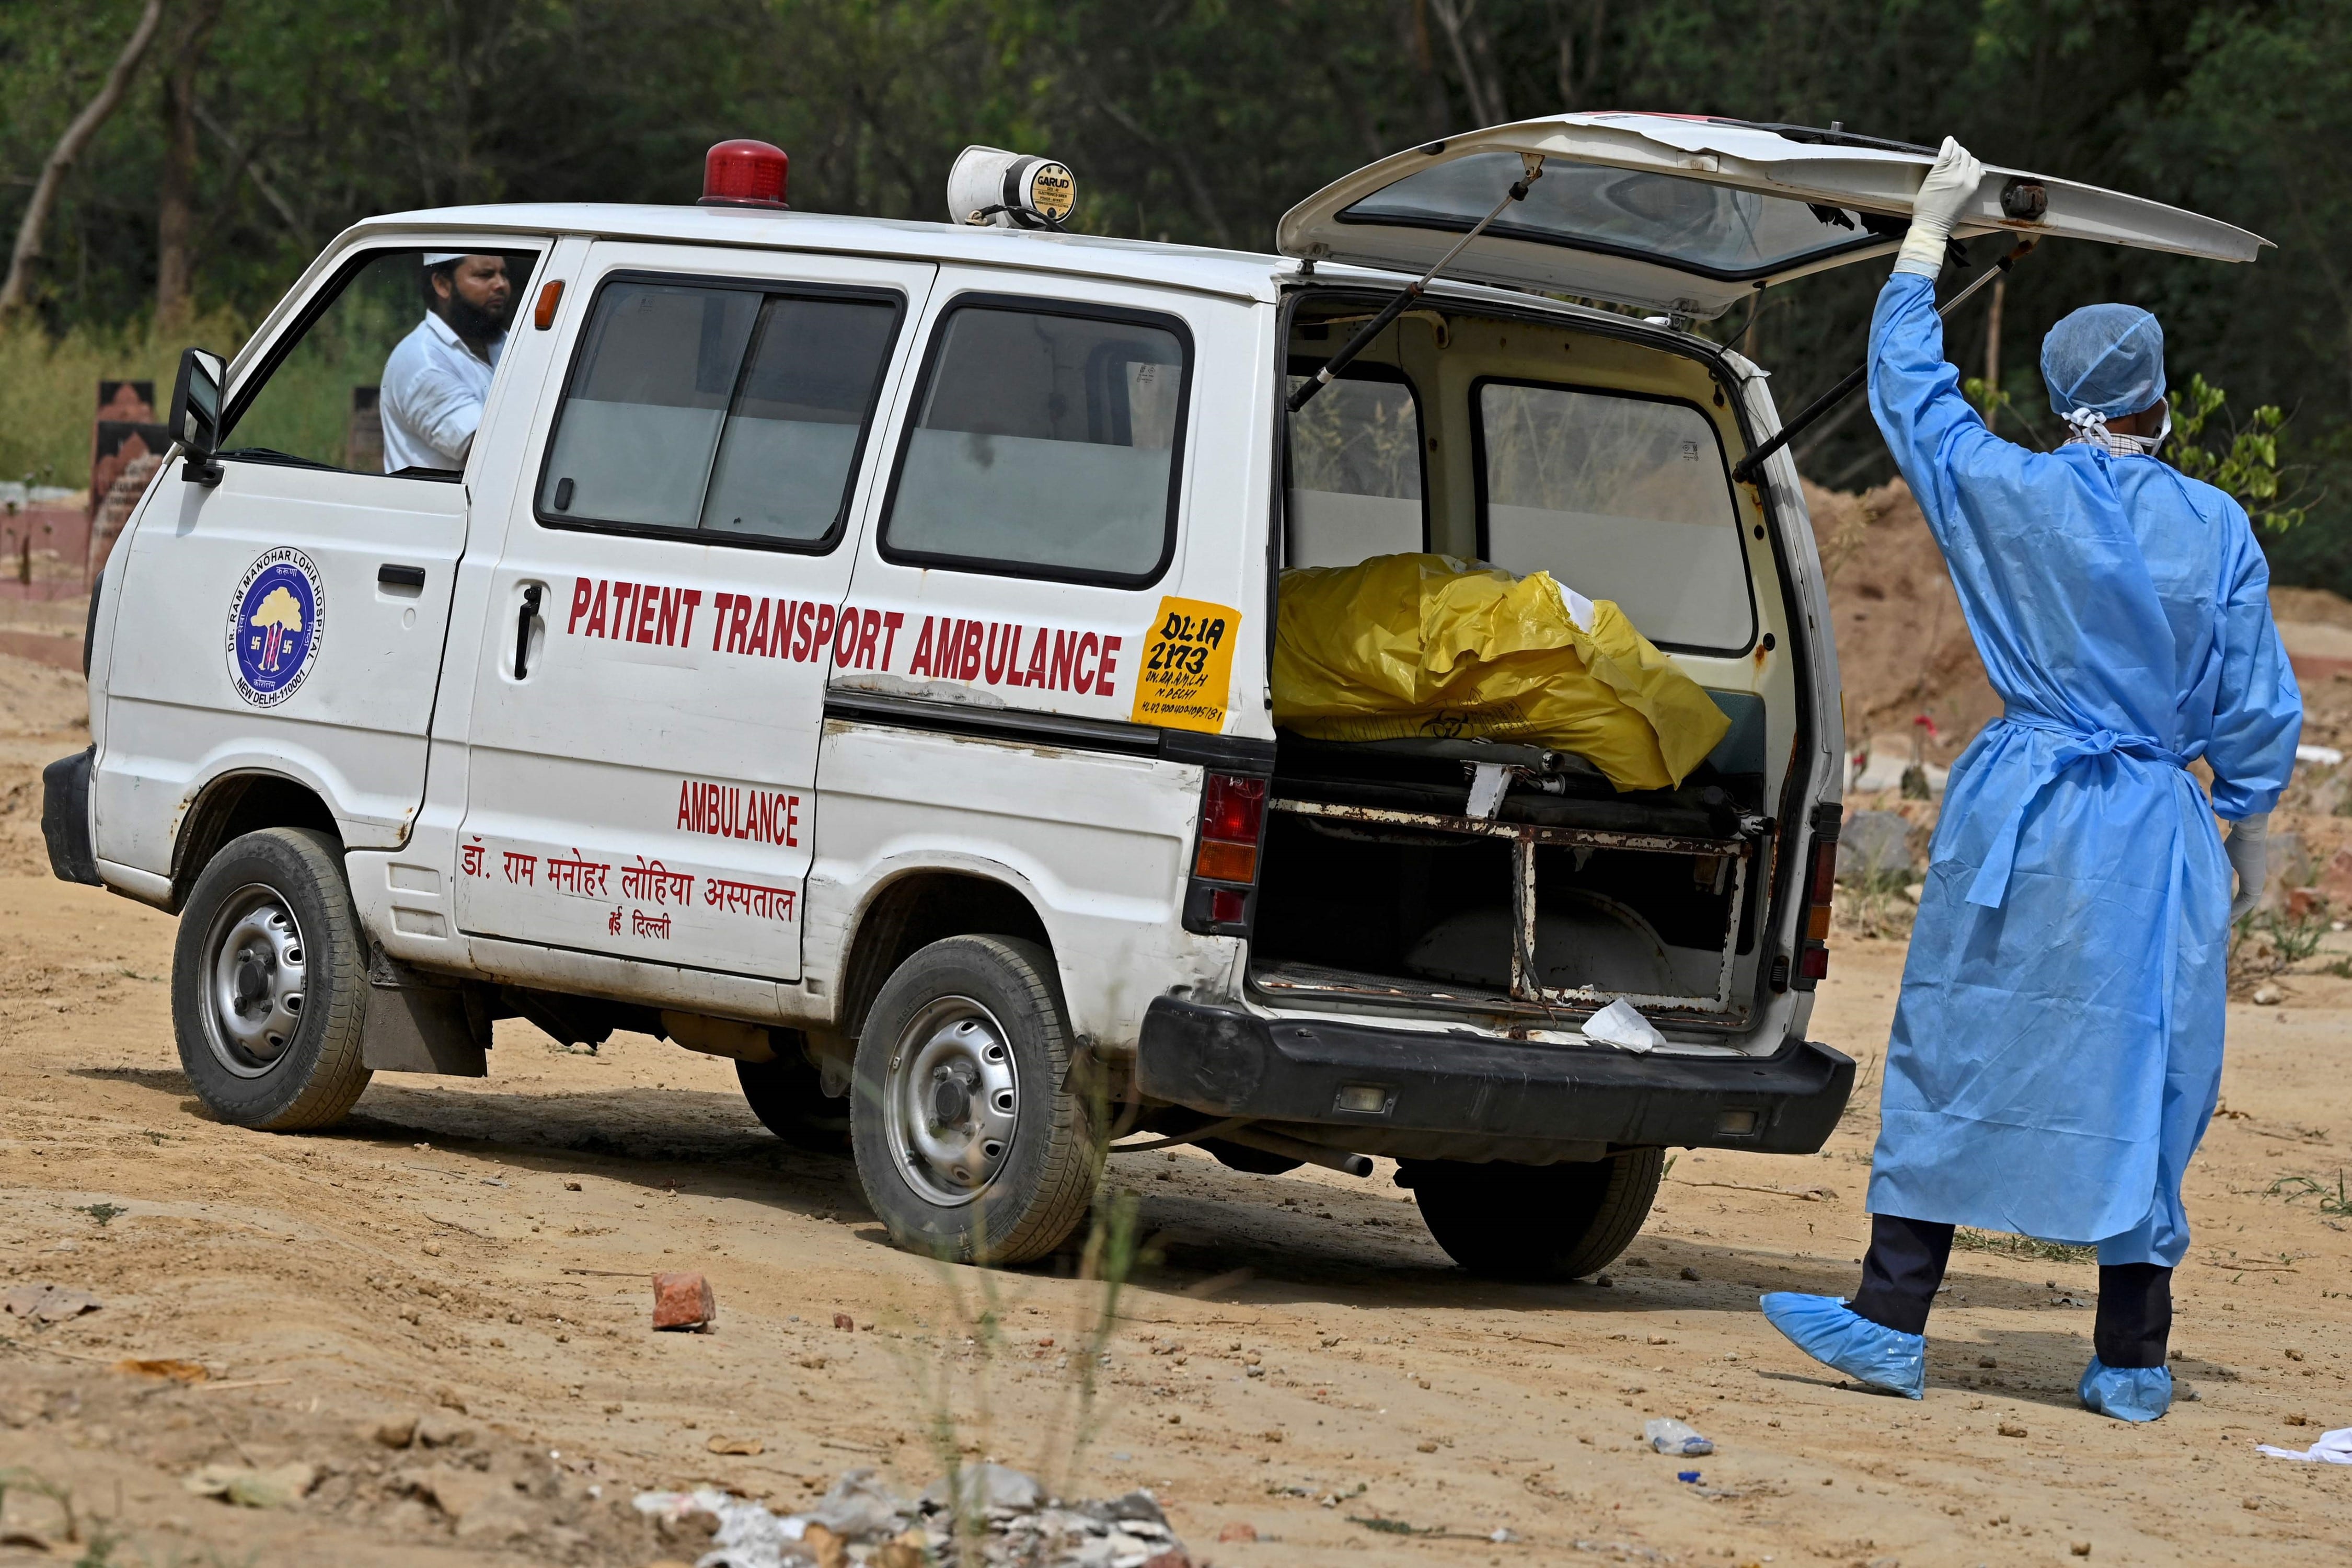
{"x": 1355, "y": 471}
{"x": 712, "y": 410}
{"x": 1618, "y": 496}
{"x": 1046, "y": 443}
{"x": 389, "y": 373}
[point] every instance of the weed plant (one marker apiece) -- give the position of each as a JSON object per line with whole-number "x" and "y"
{"x": 955, "y": 1385}
{"x": 1877, "y": 905}
{"x": 2333, "y": 1200}
{"x": 2271, "y": 942}
{"x": 2007, "y": 1246}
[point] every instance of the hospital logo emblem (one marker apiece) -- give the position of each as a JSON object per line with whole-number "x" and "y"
{"x": 274, "y": 626}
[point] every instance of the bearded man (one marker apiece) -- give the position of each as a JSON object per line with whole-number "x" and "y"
{"x": 436, "y": 379}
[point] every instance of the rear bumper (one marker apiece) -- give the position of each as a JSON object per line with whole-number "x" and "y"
{"x": 65, "y": 818}
{"x": 1225, "y": 1062}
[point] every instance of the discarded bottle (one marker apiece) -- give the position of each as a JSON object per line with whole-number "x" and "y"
{"x": 1668, "y": 1435}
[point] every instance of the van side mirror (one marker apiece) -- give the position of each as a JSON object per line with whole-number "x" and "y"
{"x": 196, "y": 413}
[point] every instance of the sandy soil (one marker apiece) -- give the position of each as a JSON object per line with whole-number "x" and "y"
{"x": 1296, "y": 1355}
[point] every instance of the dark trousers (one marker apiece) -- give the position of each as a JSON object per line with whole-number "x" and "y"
{"x": 1905, "y": 1267}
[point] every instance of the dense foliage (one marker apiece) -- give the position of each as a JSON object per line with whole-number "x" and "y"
{"x": 1204, "y": 120}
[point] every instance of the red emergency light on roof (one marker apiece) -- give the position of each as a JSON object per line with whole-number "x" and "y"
{"x": 744, "y": 173}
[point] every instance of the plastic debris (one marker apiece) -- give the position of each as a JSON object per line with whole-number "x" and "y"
{"x": 1021, "y": 1525}
{"x": 1621, "y": 1024}
{"x": 1668, "y": 1435}
{"x": 49, "y": 1303}
{"x": 176, "y": 1370}
{"x": 2322, "y": 756}
{"x": 2332, "y": 1448}
{"x": 280, "y": 1487}
{"x": 683, "y": 1301}
{"x": 1488, "y": 783}
{"x": 1690, "y": 1476}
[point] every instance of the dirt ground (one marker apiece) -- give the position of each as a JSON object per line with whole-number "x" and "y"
{"x": 1294, "y": 1354}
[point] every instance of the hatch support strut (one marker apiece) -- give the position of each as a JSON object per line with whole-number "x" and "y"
{"x": 1749, "y": 467}
{"x": 1533, "y": 164}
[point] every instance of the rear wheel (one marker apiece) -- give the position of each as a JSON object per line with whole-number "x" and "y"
{"x": 787, "y": 1095}
{"x": 270, "y": 984}
{"x": 1537, "y": 1222}
{"x": 968, "y": 1144}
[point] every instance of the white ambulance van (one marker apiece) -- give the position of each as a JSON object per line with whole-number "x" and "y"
{"x": 843, "y": 645}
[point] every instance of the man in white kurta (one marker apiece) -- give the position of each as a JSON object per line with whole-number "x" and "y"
{"x": 436, "y": 378}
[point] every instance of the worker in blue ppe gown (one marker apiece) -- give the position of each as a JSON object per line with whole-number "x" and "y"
{"x": 2057, "y": 1051}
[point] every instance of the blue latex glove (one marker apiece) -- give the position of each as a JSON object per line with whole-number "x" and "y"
{"x": 1833, "y": 1333}
{"x": 2126, "y": 1393}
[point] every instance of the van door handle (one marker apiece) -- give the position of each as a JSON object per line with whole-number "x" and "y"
{"x": 522, "y": 630}
{"x": 399, "y": 579}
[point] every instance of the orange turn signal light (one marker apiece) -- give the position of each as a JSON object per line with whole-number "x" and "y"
{"x": 1222, "y": 862}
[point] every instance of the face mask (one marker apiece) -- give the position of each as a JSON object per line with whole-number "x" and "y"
{"x": 2091, "y": 426}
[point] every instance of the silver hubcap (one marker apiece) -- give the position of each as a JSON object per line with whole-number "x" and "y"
{"x": 255, "y": 995}
{"x": 951, "y": 1100}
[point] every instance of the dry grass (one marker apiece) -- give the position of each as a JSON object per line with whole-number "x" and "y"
{"x": 48, "y": 388}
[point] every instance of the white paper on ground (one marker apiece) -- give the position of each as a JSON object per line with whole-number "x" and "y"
{"x": 2332, "y": 1448}
{"x": 1621, "y": 1024}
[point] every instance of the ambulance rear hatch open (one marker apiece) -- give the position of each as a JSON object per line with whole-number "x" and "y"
{"x": 1686, "y": 215}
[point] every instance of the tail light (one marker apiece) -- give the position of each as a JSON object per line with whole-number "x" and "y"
{"x": 1821, "y": 896}
{"x": 1233, "y": 810}
{"x": 1224, "y": 855}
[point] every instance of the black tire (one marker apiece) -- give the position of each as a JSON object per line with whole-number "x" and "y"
{"x": 270, "y": 984}
{"x": 949, "y": 1170}
{"x": 788, "y": 1097}
{"x": 1537, "y": 1222}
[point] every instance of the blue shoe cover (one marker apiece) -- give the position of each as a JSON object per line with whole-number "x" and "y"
{"x": 1832, "y": 1333}
{"x": 2127, "y": 1393}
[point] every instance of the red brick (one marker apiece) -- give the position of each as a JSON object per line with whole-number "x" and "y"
{"x": 683, "y": 1301}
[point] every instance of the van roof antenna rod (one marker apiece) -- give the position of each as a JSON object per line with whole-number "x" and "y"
{"x": 1533, "y": 164}
{"x": 1749, "y": 467}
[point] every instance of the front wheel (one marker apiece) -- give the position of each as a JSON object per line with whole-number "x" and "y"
{"x": 270, "y": 984}
{"x": 968, "y": 1144}
{"x": 1537, "y": 1222}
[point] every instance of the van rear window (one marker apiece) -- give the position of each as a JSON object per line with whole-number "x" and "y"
{"x": 1619, "y": 498}
{"x": 1355, "y": 471}
{"x": 1046, "y": 443}
{"x": 719, "y": 411}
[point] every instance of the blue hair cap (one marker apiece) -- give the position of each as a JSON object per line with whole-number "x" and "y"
{"x": 2106, "y": 358}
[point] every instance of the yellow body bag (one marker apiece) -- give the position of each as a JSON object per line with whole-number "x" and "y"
{"x": 1428, "y": 646}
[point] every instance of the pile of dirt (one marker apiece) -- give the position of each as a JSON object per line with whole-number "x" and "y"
{"x": 1904, "y": 648}
{"x": 1902, "y": 645}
